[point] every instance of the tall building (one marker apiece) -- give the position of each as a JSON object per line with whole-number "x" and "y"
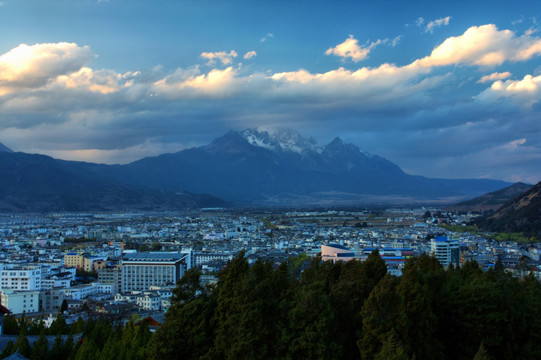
{"x": 50, "y": 300}
{"x": 111, "y": 275}
{"x": 142, "y": 270}
{"x": 446, "y": 250}
{"x": 74, "y": 260}
{"x": 21, "y": 278}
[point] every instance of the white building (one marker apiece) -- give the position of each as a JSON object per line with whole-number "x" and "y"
{"x": 143, "y": 270}
{"x": 19, "y": 302}
{"x": 83, "y": 291}
{"x": 150, "y": 301}
{"x": 47, "y": 284}
{"x": 20, "y": 278}
{"x": 203, "y": 257}
{"x": 447, "y": 251}
{"x": 336, "y": 253}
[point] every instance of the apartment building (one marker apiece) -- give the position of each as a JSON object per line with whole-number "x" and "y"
{"x": 140, "y": 271}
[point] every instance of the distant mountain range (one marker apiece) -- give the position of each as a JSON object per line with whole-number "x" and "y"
{"x": 491, "y": 201}
{"x": 521, "y": 214}
{"x": 38, "y": 183}
{"x": 249, "y": 168}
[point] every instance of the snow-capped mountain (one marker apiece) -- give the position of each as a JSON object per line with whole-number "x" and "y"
{"x": 281, "y": 140}
{"x": 282, "y": 167}
{"x": 250, "y": 167}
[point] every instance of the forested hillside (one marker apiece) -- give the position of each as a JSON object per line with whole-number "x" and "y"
{"x": 347, "y": 310}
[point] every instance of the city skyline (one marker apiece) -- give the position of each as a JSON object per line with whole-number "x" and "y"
{"x": 442, "y": 90}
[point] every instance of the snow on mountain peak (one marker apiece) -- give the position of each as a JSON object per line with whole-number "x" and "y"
{"x": 292, "y": 141}
{"x": 284, "y": 140}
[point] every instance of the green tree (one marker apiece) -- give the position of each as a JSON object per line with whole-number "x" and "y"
{"x": 312, "y": 324}
{"x": 88, "y": 350}
{"x": 56, "y": 352}
{"x": 383, "y": 314}
{"x": 59, "y": 325}
{"x": 40, "y": 348}
{"x": 11, "y": 326}
{"x": 392, "y": 350}
{"x": 22, "y": 345}
{"x": 420, "y": 287}
{"x": 69, "y": 348}
{"x": 481, "y": 353}
{"x": 8, "y": 350}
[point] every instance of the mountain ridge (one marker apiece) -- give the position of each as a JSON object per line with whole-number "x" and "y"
{"x": 491, "y": 201}
{"x": 4, "y": 148}
{"x": 250, "y": 169}
{"x": 521, "y": 214}
{"x": 39, "y": 183}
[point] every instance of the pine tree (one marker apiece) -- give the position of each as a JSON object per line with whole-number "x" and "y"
{"x": 481, "y": 353}
{"x": 8, "y": 350}
{"x": 391, "y": 349}
{"x": 88, "y": 350}
{"x": 22, "y": 345}
{"x": 40, "y": 348}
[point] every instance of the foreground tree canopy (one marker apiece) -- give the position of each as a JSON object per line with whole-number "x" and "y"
{"x": 347, "y": 310}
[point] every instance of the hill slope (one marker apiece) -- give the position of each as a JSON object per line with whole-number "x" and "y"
{"x": 522, "y": 214}
{"x": 38, "y": 183}
{"x": 491, "y": 201}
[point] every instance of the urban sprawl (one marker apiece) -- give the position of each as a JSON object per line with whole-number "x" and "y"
{"x": 118, "y": 265}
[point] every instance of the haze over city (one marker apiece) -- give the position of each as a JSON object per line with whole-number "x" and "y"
{"x": 443, "y": 90}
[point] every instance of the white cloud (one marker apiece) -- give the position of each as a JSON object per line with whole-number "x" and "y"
{"x": 518, "y": 21}
{"x": 437, "y": 23}
{"x": 102, "y": 81}
{"x": 191, "y": 84}
{"x": 419, "y": 22}
{"x": 30, "y": 66}
{"x": 250, "y": 54}
{"x": 530, "y": 31}
{"x": 525, "y": 92}
{"x": 495, "y": 76}
{"x": 350, "y": 49}
{"x": 266, "y": 37}
{"x": 226, "y": 58}
{"x": 483, "y": 46}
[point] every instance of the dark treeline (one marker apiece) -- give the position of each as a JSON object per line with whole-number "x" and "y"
{"x": 347, "y": 310}
{"x": 92, "y": 339}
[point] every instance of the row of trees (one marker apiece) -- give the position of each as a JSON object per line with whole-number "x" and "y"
{"x": 337, "y": 310}
{"x": 93, "y": 339}
{"x": 353, "y": 310}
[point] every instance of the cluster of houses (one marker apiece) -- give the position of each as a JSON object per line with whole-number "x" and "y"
{"x": 117, "y": 264}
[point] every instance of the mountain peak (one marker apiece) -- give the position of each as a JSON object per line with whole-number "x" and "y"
{"x": 4, "y": 148}
{"x": 280, "y": 140}
{"x": 336, "y": 142}
{"x": 337, "y": 145}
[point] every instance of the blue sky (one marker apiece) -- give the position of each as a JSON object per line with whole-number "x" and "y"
{"x": 443, "y": 90}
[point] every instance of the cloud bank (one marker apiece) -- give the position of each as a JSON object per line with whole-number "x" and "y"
{"x": 53, "y": 101}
